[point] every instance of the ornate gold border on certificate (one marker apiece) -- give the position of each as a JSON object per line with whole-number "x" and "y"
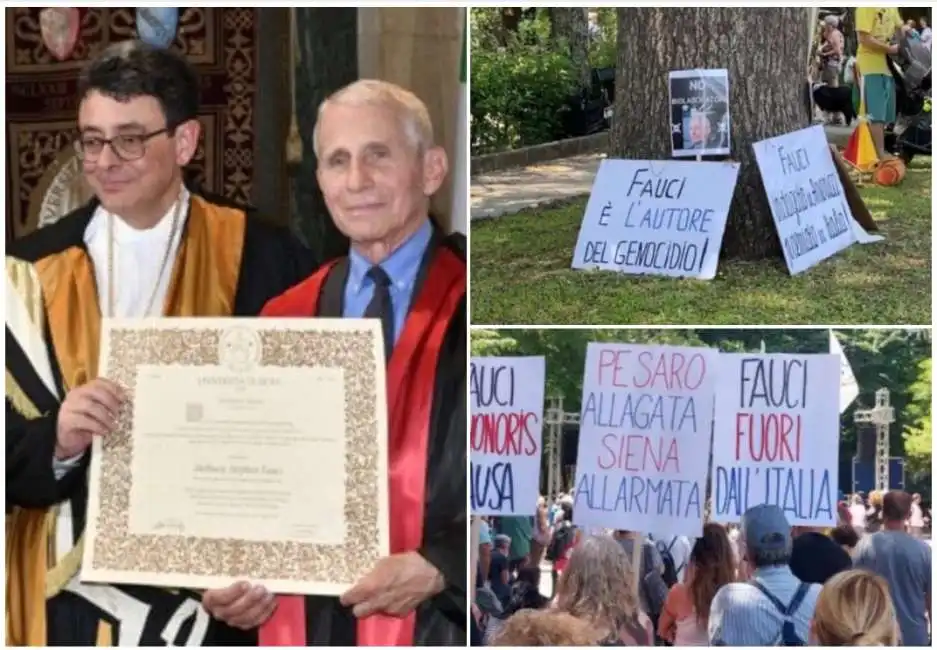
{"x": 117, "y": 550}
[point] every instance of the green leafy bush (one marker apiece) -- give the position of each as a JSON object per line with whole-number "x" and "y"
{"x": 603, "y": 47}
{"x": 518, "y": 93}
{"x": 521, "y": 80}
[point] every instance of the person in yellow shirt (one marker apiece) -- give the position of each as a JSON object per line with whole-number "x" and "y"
{"x": 876, "y": 27}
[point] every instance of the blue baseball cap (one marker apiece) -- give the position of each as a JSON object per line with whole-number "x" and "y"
{"x": 765, "y": 528}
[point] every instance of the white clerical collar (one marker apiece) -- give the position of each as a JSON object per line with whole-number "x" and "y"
{"x": 123, "y": 232}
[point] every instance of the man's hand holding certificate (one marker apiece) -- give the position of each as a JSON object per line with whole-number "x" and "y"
{"x": 206, "y": 478}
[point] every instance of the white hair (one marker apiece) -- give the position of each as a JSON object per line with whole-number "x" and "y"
{"x": 407, "y": 107}
{"x": 831, "y": 21}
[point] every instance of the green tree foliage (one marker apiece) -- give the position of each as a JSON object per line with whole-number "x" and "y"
{"x": 520, "y": 82}
{"x": 892, "y": 359}
{"x": 918, "y": 434}
{"x": 522, "y": 78}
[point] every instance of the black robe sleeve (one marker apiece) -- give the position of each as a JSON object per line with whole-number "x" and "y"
{"x": 30, "y": 443}
{"x": 30, "y": 478}
{"x": 442, "y": 620}
{"x": 272, "y": 261}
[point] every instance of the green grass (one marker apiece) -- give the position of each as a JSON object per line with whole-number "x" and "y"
{"x": 520, "y": 274}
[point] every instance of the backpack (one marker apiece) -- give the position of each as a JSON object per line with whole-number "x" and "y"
{"x": 788, "y": 636}
{"x": 671, "y": 574}
{"x": 562, "y": 538}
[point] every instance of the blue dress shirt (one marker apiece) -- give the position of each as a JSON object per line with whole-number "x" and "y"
{"x": 402, "y": 266}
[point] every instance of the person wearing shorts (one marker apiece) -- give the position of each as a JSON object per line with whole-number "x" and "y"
{"x": 876, "y": 27}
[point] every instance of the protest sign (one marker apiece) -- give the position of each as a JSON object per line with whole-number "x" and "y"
{"x": 506, "y": 435}
{"x": 776, "y": 436}
{"x": 807, "y": 199}
{"x": 644, "y": 436}
{"x": 699, "y": 113}
{"x": 656, "y": 218}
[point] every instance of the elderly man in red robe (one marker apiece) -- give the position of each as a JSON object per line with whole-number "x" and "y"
{"x": 378, "y": 167}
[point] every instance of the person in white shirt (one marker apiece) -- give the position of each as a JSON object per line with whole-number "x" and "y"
{"x": 679, "y": 547}
{"x": 857, "y": 513}
{"x": 916, "y": 520}
{"x": 925, "y": 32}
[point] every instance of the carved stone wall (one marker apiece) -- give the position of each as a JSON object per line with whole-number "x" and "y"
{"x": 43, "y": 177}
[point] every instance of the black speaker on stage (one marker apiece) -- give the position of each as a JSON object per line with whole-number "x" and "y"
{"x": 865, "y": 442}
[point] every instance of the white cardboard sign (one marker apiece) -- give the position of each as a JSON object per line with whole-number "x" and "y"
{"x": 807, "y": 200}
{"x": 776, "y": 436}
{"x": 644, "y": 438}
{"x": 656, "y": 217}
{"x": 506, "y": 434}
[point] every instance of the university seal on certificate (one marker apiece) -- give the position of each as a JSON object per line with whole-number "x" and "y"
{"x": 247, "y": 449}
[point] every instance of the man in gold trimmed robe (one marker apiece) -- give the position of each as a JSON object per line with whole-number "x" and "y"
{"x": 146, "y": 246}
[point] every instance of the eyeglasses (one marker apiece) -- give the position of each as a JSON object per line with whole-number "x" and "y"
{"x": 127, "y": 147}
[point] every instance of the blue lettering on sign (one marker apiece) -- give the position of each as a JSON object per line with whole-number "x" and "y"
{"x": 492, "y": 487}
{"x": 801, "y": 493}
{"x": 665, "y": 497}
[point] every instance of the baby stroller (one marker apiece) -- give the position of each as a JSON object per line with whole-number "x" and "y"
{"x": 910, "y": 135}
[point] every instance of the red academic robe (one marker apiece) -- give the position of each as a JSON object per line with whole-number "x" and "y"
{"x": 427, "y": 412}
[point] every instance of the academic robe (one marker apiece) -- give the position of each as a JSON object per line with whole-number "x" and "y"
{"x": 426, "y": 456}
{"x": 228, "y": 263}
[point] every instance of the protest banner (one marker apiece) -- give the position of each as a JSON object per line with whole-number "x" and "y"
{"x": 644, "y": 436}
{"x": 808, "y": 203}
{"x": 506, "y": 435}
{"x": 776, "y": 436}
{"x": 656, "y": 217}
{"x": 699, "y": 113}
{"x": 848, "y": 386}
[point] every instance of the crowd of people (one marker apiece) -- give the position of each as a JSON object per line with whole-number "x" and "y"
{"x": 854, "y": 79}
{"x": 865, "y": 582}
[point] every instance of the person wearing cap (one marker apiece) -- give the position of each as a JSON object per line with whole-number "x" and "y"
{"x": 748, "y": 613}
{"x": 499, "y": 573}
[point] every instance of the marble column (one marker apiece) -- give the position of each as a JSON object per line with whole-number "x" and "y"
{"x": 420, "y": 49}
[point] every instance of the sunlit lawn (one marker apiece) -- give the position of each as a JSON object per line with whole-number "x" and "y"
{"x": 520, "y": 274}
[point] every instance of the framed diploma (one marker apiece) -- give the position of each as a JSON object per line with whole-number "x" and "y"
{"x": 247, "y": 449}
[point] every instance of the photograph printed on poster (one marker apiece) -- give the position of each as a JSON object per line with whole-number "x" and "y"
{"x": 699, "y": 111}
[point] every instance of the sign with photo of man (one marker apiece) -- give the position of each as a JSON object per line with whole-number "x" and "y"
{"x": 699, "y": 113}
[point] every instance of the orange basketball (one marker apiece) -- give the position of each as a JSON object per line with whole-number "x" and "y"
{"x": 890, "y": 172}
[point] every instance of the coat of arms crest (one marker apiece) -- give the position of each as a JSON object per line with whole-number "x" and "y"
{"x": 59, "y": 27}
{"x": 157, "y": 25}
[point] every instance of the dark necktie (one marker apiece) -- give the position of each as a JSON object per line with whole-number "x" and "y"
{"x": 381, "y": 306}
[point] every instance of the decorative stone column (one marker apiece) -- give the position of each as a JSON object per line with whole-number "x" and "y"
{"x": 420, "y": 49}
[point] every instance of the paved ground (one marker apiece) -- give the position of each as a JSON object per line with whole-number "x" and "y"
{"x": 511, "y": 190}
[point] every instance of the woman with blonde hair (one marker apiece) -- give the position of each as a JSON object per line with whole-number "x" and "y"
{"x": 548, "y": 628}
{"x": 686, "y": 612}
{"x": 599, "y": 587}
{"x": 854, "y": 608}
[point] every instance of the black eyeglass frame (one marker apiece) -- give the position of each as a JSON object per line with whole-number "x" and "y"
{"x": 109, "y": 142}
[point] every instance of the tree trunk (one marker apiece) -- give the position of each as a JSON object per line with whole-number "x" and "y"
{"x": 764, "y": 51}
{"x": 570, "y": 26}
{"x": 510, "y": 19}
